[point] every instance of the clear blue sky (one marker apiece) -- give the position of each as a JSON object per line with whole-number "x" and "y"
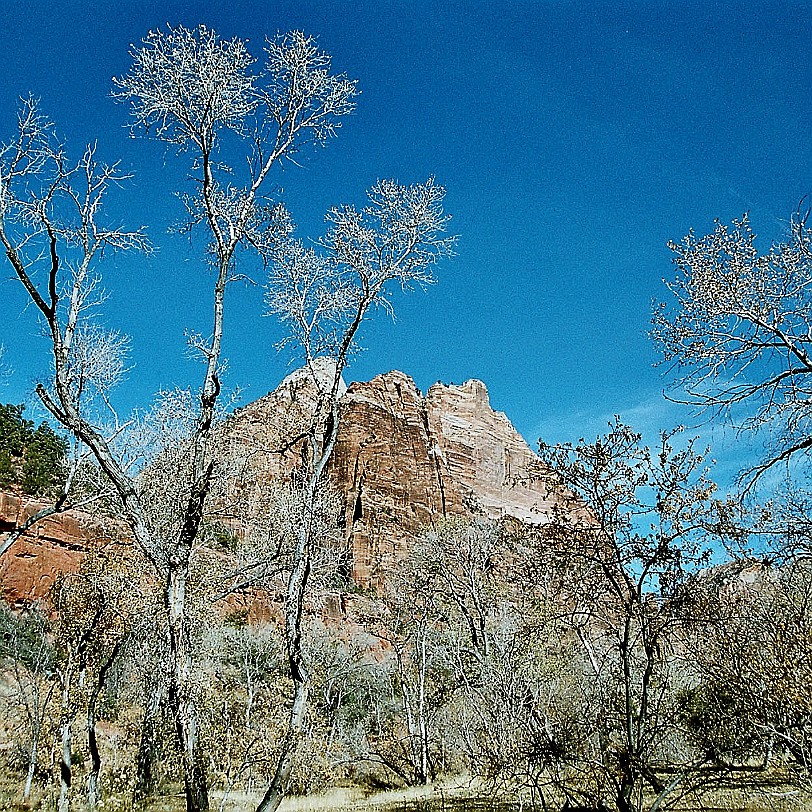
{"x": 574, "y": 138}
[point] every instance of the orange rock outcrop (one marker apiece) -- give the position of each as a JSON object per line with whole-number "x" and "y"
{"x": 52, "y": 546}
{"x": 402, "y": 461}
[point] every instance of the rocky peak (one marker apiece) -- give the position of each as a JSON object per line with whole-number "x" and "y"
{"x": 402, "y": 461}
{"x": 318, "y": 377}
{"x": 405, "y": 460}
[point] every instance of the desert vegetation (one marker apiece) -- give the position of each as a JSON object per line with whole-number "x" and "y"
{"x": 646, "y": 648}
{"x": 600, "y": 661}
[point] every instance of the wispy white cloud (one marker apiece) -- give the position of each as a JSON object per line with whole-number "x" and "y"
{"x": 5, "y": 370}
{"x": 650, "y": 414}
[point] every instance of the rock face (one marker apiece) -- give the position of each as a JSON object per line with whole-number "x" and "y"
{"x": 53, "y": 546}
{"x": 402, "y": 461}
{"x": 487, "y": 458}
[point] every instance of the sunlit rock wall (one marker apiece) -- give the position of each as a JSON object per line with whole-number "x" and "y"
{"x": 402, "y": 461}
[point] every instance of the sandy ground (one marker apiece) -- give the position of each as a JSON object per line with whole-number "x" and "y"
{"x": 355, "y": 799}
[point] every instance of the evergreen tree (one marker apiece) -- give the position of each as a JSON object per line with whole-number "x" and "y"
{"x": 31, "y": 458}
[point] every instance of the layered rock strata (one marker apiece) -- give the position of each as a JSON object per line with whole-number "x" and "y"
{"x": 53, "y": 546}
{"x": 402, "y": 461}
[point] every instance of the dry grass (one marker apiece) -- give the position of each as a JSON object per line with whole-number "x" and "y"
{"x": 755, "y": 796}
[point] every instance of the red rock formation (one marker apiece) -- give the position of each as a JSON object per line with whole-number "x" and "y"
{"x": 402, "y": 461}
{"x": 52, "y": 546}
{"x": 385, "y": 466}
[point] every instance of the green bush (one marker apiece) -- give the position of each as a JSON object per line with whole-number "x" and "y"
{"x": 8, "y": 475}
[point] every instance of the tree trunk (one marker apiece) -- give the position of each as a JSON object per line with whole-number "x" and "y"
{"x": 92, "y": 742}
{"x": 279, "y": 784}
{"x": 421, "y": 710}
{"x": 625, "y": 788}
{"x": 65, "y": 763}
{"x": 95, "y": 758}
{"x": 181, "y": 700}
{"x": 145, "y": 777}
{"x": 32, "y": 764}
{"x": 417, "y": 776}
{"x": 65, "y": 774}
{"x": 322, "y": 442}
{"x": 294, "y": 603}
{"x": 35, "y": 710}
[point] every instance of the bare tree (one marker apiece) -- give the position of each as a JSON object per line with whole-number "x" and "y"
{"x": 322, "y": 295}
{"x": 500, "y": 646}
{"x": 750, "y": 648}
{"x": 94, "y": 609}
{"x": 25, "y": 643}
{"x": 249, "y": 660}
{"x": 443, "y": 607}
{"x": 408, "y": 625}
{"x": 651, "y": 516}
{"x": 739, "y": 333}
{"x": 80, "y": 607}
{"x": 195, "y": 91}
{"x": 481, "y": 658}
{"x": 52, "y": 234}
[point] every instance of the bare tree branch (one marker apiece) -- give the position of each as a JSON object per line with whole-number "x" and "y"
{"x": 738, "y": 334}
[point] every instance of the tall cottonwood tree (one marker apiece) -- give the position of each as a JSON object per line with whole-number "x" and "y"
{"x": 323, "y": 294}
{"x": 199, "y": 93}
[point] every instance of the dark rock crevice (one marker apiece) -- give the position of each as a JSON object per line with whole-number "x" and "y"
{"x": 434, "y": 453}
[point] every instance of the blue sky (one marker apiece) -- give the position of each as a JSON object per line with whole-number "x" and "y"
{"x": 574, "y": 138}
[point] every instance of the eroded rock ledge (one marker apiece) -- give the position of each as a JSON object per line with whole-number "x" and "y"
{"x": 403, "y": 460}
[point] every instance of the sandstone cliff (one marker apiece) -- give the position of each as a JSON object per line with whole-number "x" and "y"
{"x": 53, "y": 546}
{"x": 402, "y": 461}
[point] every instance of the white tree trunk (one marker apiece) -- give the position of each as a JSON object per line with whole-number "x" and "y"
{"x": 181, "y": 698}
{"x": 65, "y": 772}
{"x": 32, "y": 764}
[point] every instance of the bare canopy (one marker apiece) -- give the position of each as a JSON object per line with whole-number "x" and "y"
{"x": 739, "y": 333}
